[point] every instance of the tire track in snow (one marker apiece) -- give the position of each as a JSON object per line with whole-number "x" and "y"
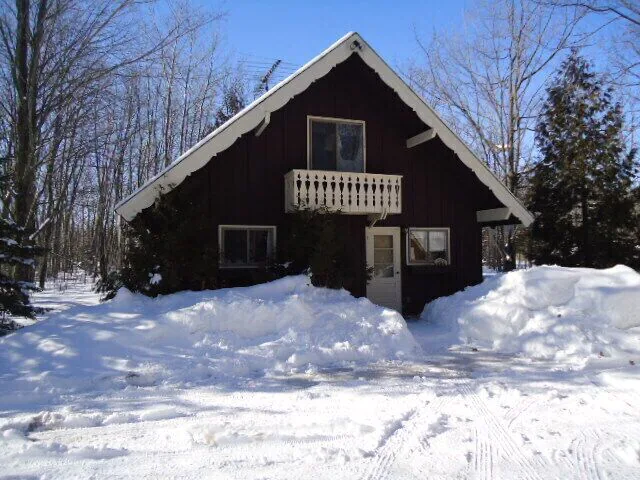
{"x": 483, "y": 455}
{"x": 584, "y": 452}
{"x": 430, "y": 409}
{"x": 500, "y": 438}
{"x": 596, "y": 451}
{"x": 388, "y": 448}
{"x": 514, "y": 413}
{"x": 397, "y": 442}
{"x": 562, "y": 457}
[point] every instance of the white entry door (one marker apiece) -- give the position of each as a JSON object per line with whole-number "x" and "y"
{"x": 383, "y": 254}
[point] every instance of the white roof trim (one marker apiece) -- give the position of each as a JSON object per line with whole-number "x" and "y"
{"x": 252, "y": 115}
{"x": 421, "y": 138}
{"x": 493, "y": 215}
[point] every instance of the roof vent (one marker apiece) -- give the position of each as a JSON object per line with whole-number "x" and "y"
{"x": 355, "y": 45}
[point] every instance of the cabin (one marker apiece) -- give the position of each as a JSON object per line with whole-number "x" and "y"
{"x": 344, "y": 133}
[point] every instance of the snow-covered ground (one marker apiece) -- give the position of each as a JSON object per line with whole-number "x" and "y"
{"x": 179, "y": 388}
{"x": 574, "y": 316}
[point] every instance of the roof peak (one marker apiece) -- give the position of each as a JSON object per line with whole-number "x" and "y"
{"x": 277, "y": 97}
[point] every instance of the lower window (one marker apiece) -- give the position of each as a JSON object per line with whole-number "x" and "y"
{"x": 246, "y": 245}
{"x": 428, "y": 246}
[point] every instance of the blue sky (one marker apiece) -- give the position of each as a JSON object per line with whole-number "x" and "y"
{"x": 296, "y": 31}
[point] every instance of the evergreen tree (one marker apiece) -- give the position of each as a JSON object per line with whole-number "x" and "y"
{"x": 232, "y": 102}
{"x": 16, "y": 249}
{"x": 316, "y": 243}
{"x": 581, "y": 188}
{"x": 166, "y": 252}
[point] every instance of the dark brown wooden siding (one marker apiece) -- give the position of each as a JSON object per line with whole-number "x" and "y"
{"x": 245, "y": 183}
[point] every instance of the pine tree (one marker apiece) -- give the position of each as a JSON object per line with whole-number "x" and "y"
{"x": 581, "y": 188}
{"x": 16, "y": 249}
{"x": 232, "y": 102}
{"x": 166, "y": 252}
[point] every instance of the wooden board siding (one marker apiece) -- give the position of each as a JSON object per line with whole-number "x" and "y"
{"x": 245, "y": 183}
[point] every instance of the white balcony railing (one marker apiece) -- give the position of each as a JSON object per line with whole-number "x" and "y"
{"x": 347, "y": 192}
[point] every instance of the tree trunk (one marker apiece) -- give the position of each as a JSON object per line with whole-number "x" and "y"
{"x": 586, "y": 247}
{"x": 25, "y": 178}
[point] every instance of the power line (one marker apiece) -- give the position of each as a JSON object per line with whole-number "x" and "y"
{"x": 263, "y": 59}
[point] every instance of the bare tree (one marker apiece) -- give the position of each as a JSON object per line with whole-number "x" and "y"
{"x": 487, "y": 80}
{"x": 627, "y": 10}
{"x": 620, "y": 22}
{"x": 60, "y": 53}
{"x": 85, "y": 108}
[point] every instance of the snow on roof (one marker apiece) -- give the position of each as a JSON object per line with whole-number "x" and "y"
{"x": 252, "y": 115}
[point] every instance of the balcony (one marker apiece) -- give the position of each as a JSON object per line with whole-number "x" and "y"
{"x": 347, "y": 192}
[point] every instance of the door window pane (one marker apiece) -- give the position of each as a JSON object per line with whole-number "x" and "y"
{"x": 383, "y": 241}
{"x": 383, "y": 256}
{"x": 383, "y": 271}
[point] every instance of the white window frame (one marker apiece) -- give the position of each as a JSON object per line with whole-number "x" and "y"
{"x": 310, "y": 118}
{"x": 223, "y": 228}
{"x": 427, "y": 229}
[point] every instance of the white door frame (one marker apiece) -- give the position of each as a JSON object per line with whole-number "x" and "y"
{"x": 387, "y": 291}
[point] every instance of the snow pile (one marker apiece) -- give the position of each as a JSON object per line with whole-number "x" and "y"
{"x": 280, "y": 327}
{"x": 554, "y": 313}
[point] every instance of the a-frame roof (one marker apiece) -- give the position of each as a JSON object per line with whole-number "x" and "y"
{"x": 255, "y": 113}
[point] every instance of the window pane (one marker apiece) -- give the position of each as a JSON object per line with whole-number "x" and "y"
{"x": 438, "y": 246}
{"x": 323, "y": 145}
{"x": 235, "y": 246}
{"x": 437, "y": 241}
{"x": 418, "y": 250}
{"x": 350, "y": 147}
{"x": 383, "y": 241}
{"x": 429, "y": 247}
{"x": 259, "y": 245}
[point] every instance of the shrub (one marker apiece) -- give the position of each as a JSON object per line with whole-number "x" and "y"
{"x": 315, "y": 244}
{"x": 109, "y": 285}
{"x": 166, "y": 251}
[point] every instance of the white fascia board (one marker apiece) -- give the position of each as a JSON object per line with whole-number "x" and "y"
{"x": 493, "y": 215}
{"x": 421, "y": 138}
{"x": 252, "y": 115}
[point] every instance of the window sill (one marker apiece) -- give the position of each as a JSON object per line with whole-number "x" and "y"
{"x": 312, "y": 169}
{"x": 239, "y": 267}
{"x": 429, "y": 269}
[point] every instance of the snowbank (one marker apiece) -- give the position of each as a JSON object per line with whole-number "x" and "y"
{"x": 279, "y": 327}
{"x": 553, "y": 313}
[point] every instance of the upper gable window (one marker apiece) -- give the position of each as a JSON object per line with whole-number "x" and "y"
{"x": 336, "y": 144}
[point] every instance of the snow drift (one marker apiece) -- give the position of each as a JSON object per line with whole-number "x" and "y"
{"x": 548, "y": 312}
{"x": 279, "y": 327}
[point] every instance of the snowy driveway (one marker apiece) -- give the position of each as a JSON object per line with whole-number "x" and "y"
{"x": 460, "y": 415}
{"x": 452, "y": 414}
